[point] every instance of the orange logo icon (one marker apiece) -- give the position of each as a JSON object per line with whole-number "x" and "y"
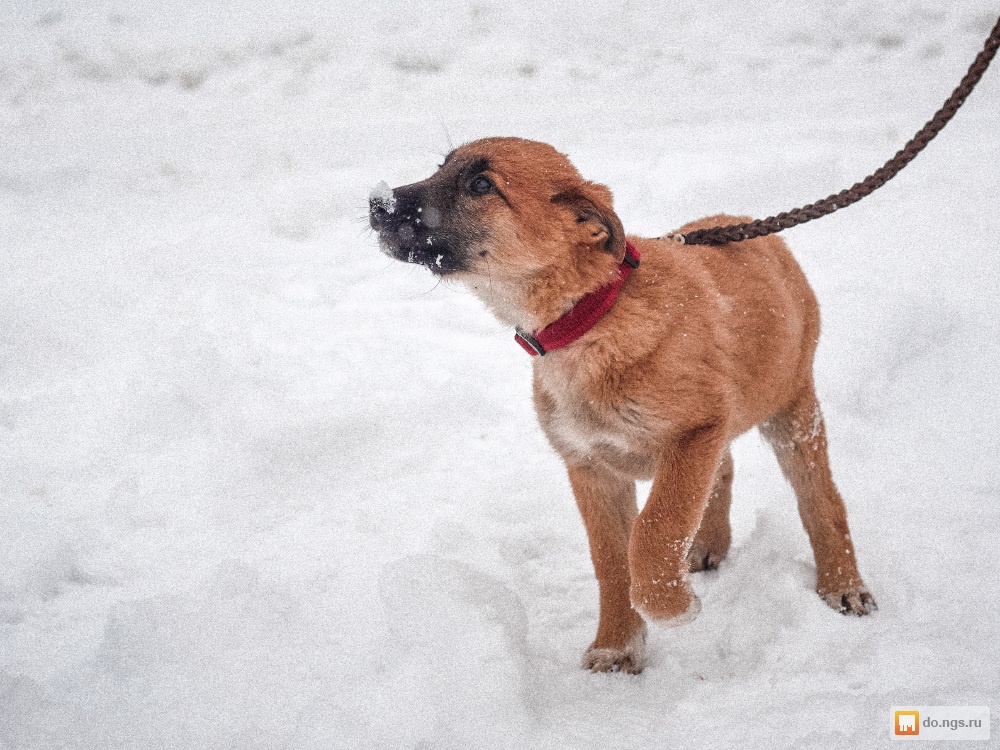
{"x": 907, "y": 723}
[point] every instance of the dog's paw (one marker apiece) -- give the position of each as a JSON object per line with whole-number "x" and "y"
{"x": 702, "y": 558}
{"x": 855, "y": 601}
{"x": 628, "y": 659}
{"x": 666, "y": 605}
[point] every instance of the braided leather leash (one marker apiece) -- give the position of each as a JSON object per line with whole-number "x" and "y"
{"x": 763, "y": 227}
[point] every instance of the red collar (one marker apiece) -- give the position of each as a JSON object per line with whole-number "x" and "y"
{"x": 584, "y": 315}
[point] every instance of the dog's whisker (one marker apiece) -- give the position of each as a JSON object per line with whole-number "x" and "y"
{"x": 436, "y": 285}
{"x": 447, "y": 136}
{"x": 489, "y": 278}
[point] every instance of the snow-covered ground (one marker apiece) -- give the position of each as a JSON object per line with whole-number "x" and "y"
{"x": 261, "y": 487}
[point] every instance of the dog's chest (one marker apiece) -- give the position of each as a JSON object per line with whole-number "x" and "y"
{"x": 582, "y": 426}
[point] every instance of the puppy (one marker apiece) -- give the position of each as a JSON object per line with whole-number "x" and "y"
{"x": 651, "y": 357}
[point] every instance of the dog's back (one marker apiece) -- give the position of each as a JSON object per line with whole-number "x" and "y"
{"x": 731, "y": 330}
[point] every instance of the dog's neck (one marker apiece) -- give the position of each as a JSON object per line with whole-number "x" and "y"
{"x": 582, "y": 315}
{"x": 533, "y": 303}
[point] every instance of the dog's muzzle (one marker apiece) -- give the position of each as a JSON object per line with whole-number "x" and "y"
{"x": 410, "y": 230}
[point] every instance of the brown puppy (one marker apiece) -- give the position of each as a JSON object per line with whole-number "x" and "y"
{"x": 700, "y": 345}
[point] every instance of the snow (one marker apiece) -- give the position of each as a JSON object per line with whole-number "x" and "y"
{"x": 263, "y": 487}
{"x": 382, "y": 196}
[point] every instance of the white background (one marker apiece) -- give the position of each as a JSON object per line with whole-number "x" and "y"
{"x": 262, "y": 487}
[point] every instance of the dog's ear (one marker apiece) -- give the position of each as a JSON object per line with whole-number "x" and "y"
{"x": 594, "y": 212}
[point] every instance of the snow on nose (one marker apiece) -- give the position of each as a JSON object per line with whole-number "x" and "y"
{"x": 382, "y": 199}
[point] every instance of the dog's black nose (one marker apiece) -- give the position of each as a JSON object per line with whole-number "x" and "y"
{"x": 381, "y": 205}
{"x": 377, "y": 215}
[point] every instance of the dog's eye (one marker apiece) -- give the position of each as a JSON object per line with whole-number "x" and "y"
{"x": 481, "y": 185}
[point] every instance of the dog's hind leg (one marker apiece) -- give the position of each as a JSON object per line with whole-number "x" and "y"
{"x": 608, "y": 506}
{"x": 798, "y": 436}
{"x": 711, "y": 543}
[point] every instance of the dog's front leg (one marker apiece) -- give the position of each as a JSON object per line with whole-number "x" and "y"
{"x": 663, "y": 533}
{"x": 607, "y": 504}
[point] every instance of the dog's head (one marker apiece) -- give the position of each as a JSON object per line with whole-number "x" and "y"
{"x": 510, "y": 218}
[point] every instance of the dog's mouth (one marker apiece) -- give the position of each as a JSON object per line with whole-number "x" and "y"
{"x": 421, "y": 248}
{"x": 410, "y": 232}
